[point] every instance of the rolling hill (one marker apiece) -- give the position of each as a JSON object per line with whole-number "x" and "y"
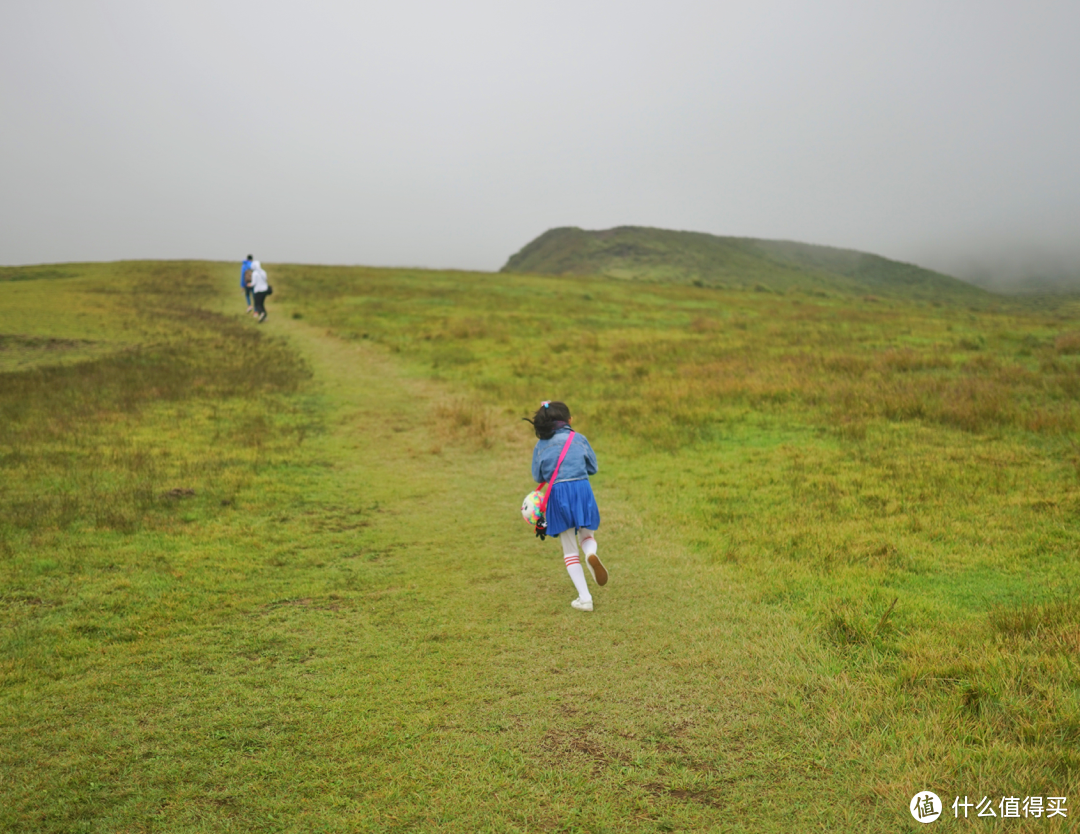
{"x": 646, "y": 254}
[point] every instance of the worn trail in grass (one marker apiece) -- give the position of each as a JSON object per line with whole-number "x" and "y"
{"x": 487, "y": 700}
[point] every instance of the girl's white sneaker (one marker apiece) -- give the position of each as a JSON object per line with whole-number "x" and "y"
{"x": 582, "y": 604}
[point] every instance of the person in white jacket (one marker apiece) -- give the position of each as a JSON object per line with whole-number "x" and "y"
{"x": 260, "y": 287}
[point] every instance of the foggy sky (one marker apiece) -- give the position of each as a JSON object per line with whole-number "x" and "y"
{"x": 449, "y": 134}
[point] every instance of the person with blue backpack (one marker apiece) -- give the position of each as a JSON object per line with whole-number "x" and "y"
{"x": 245, "y": 283}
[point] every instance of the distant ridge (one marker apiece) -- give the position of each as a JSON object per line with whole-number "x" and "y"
{"x": 647, "y": 254}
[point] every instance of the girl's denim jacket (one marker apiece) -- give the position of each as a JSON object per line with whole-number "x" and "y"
{"x": 580, "y": 460}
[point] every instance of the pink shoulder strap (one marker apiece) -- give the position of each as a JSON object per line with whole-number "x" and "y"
{"x": 547, "y": 492}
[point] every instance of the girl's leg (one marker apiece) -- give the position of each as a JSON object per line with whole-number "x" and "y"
{"x": 592, "y": 561}
{"x": 568, "y": 540}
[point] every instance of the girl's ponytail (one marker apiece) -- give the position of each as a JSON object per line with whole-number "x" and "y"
{"x": 547, "y": 416}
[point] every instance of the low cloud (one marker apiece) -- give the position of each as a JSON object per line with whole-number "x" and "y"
{"x": 1009, "y": 265}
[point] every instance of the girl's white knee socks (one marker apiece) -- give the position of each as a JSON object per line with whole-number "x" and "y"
{"x": 573, "y": 564}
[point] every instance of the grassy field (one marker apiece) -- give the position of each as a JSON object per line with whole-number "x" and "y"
{"x": 273, "y": 578}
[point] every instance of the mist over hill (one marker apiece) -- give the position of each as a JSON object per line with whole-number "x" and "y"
{"x": 1010, "y": 266}
{"x": 647, "y": 254}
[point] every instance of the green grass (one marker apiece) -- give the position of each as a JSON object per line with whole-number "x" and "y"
{"x": 273, "y": 578}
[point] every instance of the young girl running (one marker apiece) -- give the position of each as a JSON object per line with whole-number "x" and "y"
{"x": 571, "y": 509}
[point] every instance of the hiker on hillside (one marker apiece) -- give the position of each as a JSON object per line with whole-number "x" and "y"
{"x": 260, "y": 288}
{"x": 571, "y": 511}
{"x": 245, "y": 282}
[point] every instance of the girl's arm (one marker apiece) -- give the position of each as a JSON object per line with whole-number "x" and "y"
{"x": 536, "y": 463}
{"x": 590, "y": 458}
